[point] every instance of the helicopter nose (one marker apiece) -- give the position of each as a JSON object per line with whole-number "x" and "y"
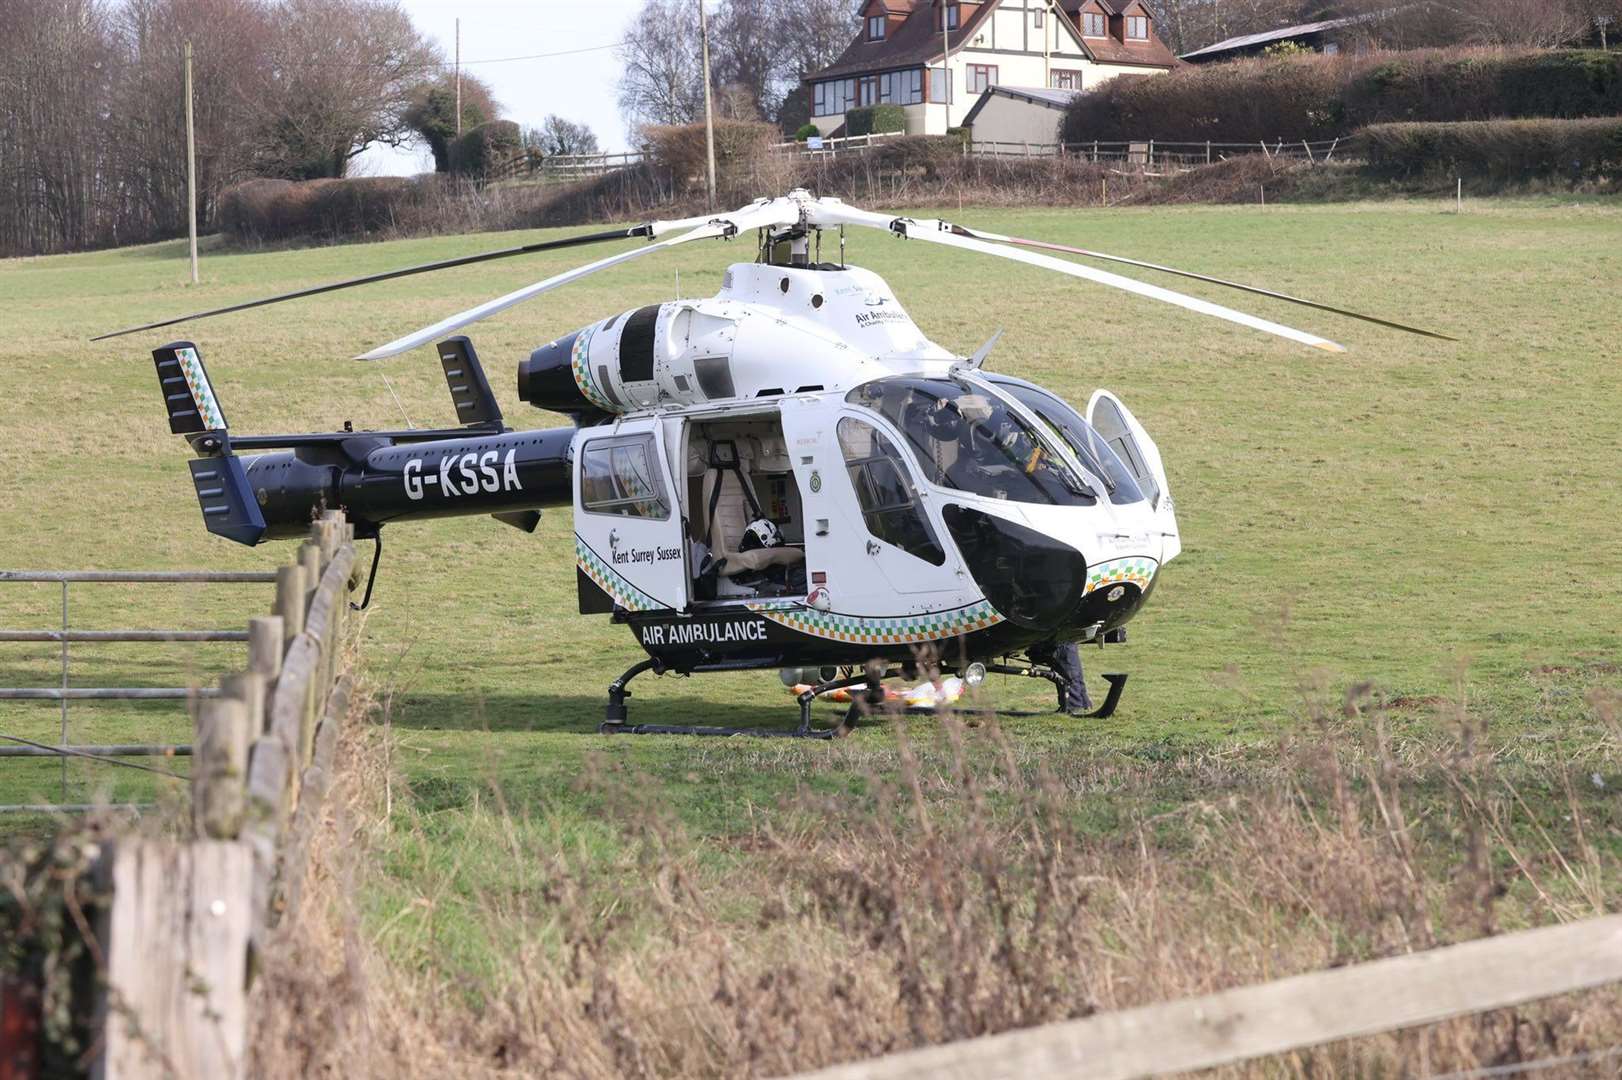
{"x": 1032, "y": 579}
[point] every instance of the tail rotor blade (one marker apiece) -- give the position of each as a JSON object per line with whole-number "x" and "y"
{"x": 959, "y": 230}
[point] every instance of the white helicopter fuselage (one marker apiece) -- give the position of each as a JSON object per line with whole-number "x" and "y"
{"x": 776, "y": 364}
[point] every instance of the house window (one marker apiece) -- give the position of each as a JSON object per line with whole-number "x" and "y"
{"x": 940, "y": 85}
{"x": 1092, "y": 24}
{"x": 833, "y": 97}
{"x": 875, "y": 27}
{"x": 1065, "y": 80}
{"x": 870, "y": 91}
{"x": 980, "y": 77}
{"x": 1037, "y": 19}
{"x": 951, "y": 13}
{"x": 1137, "y": 28}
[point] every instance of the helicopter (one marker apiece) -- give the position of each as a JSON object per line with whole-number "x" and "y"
{"x": 787, "y": 475}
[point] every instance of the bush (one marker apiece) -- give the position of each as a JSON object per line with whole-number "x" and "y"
{"x": 807, "y": 131}
{"x": 1503, "y": 150}
{"x": 1318, "y": 97}
{"x": 875, "y": 120}
{"x": 486, "y": 146}
{"x": 740, "y": 146}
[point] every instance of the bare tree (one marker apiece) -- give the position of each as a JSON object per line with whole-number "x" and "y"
{"x": 339, "y": 80}
{"x": 559, "y": 137}
{"x": 759, "y": 49}
{"x": 662, "y": 82}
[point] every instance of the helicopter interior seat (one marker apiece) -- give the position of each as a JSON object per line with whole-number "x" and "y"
{"x": 729, "y": 503}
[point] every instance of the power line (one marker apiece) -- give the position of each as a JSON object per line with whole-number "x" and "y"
{"x": 533, "y": 56}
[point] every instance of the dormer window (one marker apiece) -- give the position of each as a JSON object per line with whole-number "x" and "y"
{"x": 1092, "y": 24}
{"x": 1137, "y": 28}
{"x": 950, "y": 13}
{"x": 875, "y": 27}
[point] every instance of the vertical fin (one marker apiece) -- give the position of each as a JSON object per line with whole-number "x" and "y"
{"x": 187, "y": 394}
{"x": 229, "y": 508}
{"x": 470, "y": 390}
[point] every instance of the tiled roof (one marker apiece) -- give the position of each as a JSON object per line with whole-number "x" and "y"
{"x": 914, "y": 43}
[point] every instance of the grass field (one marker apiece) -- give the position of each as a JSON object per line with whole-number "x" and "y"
{"x": 1436, "y": 519}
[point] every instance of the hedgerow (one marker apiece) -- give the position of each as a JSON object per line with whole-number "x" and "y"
{"x": 1319, "y": 97}
{"x": 1504, "y": 150}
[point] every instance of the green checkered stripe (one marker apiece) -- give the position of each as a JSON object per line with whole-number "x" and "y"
{"x": 860, "y": 630}
{"x": 1139, "y": 572}
{"x": 580, "y": 365}
{"x": 625, "y": 594}
{"x": 208, "y": 406}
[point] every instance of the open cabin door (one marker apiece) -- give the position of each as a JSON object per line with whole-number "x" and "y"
{"x": 1115, "y": 422}
{"x": 630, "y": 547}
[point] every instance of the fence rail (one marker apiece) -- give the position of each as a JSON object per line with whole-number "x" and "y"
{"x": 179, "y": 921}
{"x": 1277, "y": 1017}
{"x": 66, "y": 635}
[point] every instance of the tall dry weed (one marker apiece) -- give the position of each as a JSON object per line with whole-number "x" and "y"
{"x": 969, "y": 889}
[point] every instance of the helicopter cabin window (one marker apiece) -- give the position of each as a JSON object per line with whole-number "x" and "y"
{"x": 621, "y": 477}
{"x": 1085, "y": 442}
{"x": 971, "y": 441}
{"x": 889, "y": 504}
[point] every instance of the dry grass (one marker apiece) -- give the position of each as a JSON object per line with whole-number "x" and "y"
{"x": 957, "y": 895}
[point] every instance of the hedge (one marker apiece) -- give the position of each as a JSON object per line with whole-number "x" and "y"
{"x": 482, "y": 148}
{"x": 1504, "y": 150}
{"x": 1318, "y": 97}
{"x": 740, "y": 145}
{"x": 875, "y": 120}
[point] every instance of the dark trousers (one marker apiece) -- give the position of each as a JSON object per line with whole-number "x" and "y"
{"x": 1065, "y": 660}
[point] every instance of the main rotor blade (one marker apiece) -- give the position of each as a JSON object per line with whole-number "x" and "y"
{"x": 753, "y": 216}
{"x": 646, "y": 229}
{"x": 939, "y": 232}
{"x": 980, "y": 235}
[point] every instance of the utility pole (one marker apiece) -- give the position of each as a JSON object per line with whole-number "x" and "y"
{"x": 191, "y": 169}
{"x": 458, "y": 78}
{"x": 946, "y": 68}
{"x": 709, "y": 108}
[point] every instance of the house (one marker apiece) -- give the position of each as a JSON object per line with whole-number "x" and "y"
{"x": 935, "y": 58}
{"x": 1019, "y": 114}
{"x": 1329, "y": 36}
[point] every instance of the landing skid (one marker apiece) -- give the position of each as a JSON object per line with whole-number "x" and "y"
{"x": 615, "y": 720}
{"x": 616, "y": 716}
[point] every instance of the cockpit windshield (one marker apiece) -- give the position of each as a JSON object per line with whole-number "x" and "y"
{"x": 971, "y": 441}
{"x": 1085, "y": 442}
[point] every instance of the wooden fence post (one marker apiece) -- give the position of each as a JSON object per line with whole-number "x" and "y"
{"x": 290, "y": 602}
{"x": 267, "y": 640}
{"x": 250, "y": 688}
{"x": 220, "y": 768}
{"x": 176, "y": 940}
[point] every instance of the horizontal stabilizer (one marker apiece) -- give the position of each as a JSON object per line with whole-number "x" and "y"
{"x": 470, "y": 390}
{"x": 229, "y": 508}
{"x": 187, "y": 394}
{"x": 526, "y": 520}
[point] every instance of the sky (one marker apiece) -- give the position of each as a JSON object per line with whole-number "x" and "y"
{"x": 579, "y": 87}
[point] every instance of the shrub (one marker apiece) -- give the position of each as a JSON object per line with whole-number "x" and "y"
{"x": 807, "y": 131}
{"x": 740, "y": 146}
{"x": 484, "y": 147}
{"x": 875, "y": 120}
{"x": 1317, "y": 97}
{"x": 1497, "y": 149}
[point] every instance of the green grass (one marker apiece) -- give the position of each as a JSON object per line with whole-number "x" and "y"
{"x": 1433, "y": 517}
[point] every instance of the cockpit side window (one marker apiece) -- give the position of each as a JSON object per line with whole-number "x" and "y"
{"x": 1089, "y": 446}
{"x": 889, "y": 503}
{"x": 971, "y": 441}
